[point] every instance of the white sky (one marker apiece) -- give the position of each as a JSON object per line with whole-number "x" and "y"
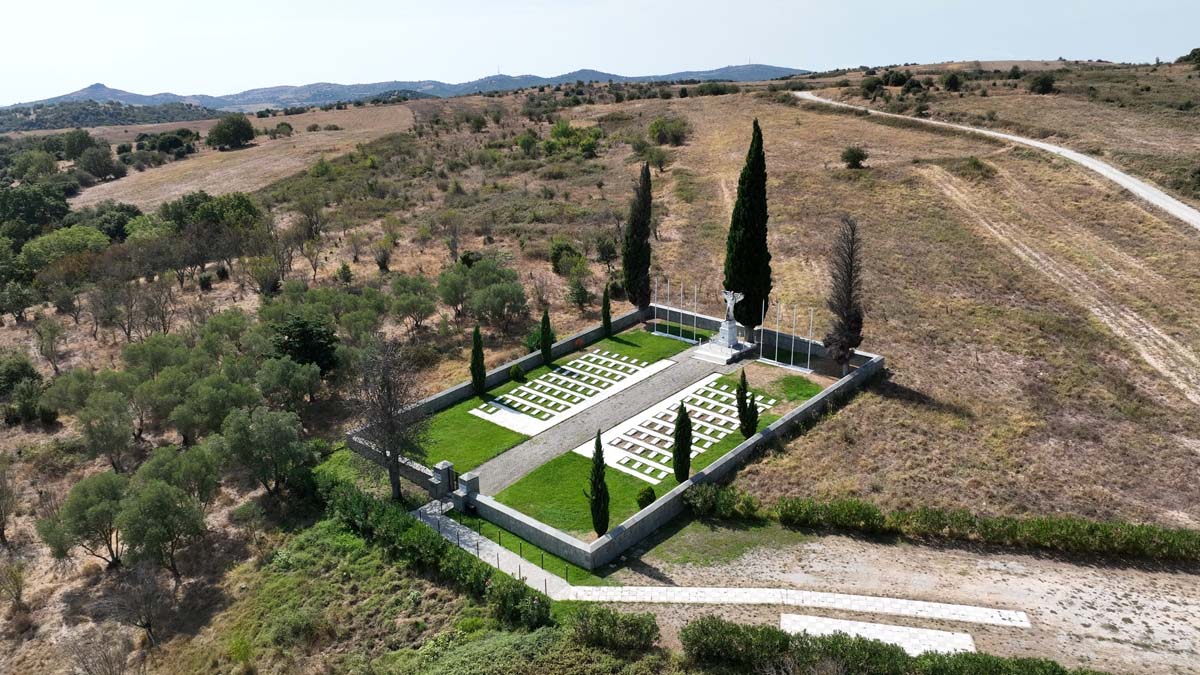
{"x": 218, "y": 47}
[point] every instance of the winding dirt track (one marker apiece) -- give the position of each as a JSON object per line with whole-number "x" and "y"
{"x": 1140, "y": 188}
{"x": 1176, "y": 362}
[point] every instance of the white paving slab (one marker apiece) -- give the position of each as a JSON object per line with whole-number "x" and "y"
{"x": 795, "y": 598}
{"x": 914, "y": 641}
{"x": 509, "y": 416}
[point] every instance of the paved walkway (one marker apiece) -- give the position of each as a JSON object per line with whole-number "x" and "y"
{"x": 1140, "y": 188}
{"x": 509, "y": 467}
{"x": 558, "y": 589}
{"x": 914, "y": 641}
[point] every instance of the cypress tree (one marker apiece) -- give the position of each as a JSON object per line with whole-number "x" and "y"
{"x": 681, "y": 454}
{"x": 635, "y": 252}
{"x": 606, "y": 313}
{"x": 598, "y": 497}
{"x": 478, "y": 369}
{"x": 546, "y": 338}
{"x": 845, "y": 291}
{"x": 747, "y": 258}
{"x": 746, "y": 408}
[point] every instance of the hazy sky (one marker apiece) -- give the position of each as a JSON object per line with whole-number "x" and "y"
{"x": 225, "y": 46}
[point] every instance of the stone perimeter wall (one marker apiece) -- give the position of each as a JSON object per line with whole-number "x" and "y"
{"x": 436, "y": 481}
{"x": 600, "y": 552}
{"x": 643, "y": 523}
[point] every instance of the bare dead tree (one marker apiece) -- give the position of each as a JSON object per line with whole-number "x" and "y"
{"x": 845, "y": 295}
{"x": 102, "y": 306}
{"x": 143, "y": 599}
{"x": 311, "y": 250}
{"x": 388, "y": 393}
{"x": 99, "y": 651}
{"x": 158, "y": 306}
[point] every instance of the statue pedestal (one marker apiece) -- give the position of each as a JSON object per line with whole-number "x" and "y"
{"x": 728, "y": 337}
{"x": 725, "y": 347}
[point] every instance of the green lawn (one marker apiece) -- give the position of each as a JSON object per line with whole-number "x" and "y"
{"x": 468, "y": 441}
{"x": 639, "y": 344}
{"x": 679, "y": 330}
{"x": 553, "y": 493}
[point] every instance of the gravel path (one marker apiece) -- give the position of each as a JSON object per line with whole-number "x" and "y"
{"x": 506, "y": 469}
{"x": 1140, "y": 188}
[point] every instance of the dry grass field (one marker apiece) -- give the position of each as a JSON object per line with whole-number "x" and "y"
{"x": 248, "y": 169}
{"x": 1144, "y": 119}
{"x": 1037, "y": 321}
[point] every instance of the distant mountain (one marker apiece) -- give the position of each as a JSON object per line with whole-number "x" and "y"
{"x": 326, "y": 92}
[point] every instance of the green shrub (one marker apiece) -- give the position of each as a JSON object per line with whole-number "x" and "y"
{"x": 673, "y": 130}
{"x": 646, "y": 496}
{"x": 854, "y": 156}
{"x": 206, "y": 281}
{"x": 563, "y": 256}
{"x": 47, "y": 416}
{"x": 516, "y": 373}
{"x": 599, "y": 626}
{"x": 404, "y": 538}
{"x": 712, "y": 641}
{"x": 711, "y": 501}
{"x": 1064, "y": 534}
{"x": 222, "y": 272}
{"x": 514, "y": 604}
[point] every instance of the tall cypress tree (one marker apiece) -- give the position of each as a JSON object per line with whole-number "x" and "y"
{"x": 681, "y": 454}
{"x": 746, "y": 408}
{"x": 845, "y": 295}
{"x": 598, "y": 496}
{"x": 635, "y": 252}
{"x": 606, "y": 313}
{"x": 478, "y": 369}
{"x": 747, "y": 258}
{"x": 546, "y": 338}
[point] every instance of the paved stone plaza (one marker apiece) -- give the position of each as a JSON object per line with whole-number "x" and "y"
{"x": 641, "y": 445}
{"x": 567, "y": 390}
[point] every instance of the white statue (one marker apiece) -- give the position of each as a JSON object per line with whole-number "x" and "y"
{"x": 731, "y": 298}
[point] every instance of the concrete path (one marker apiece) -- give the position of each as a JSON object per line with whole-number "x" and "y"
{"x": 1140, "y": 188}
{"x": 509, "y": 467}
{"x": 914, "y": 641}
{"x": 432, "y": 514}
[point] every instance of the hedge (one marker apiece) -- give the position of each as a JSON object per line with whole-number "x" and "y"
{"x": 1064, "y": 534}
{"x": 602, "y": 627}
{"x": 404, "y": 538}
{"x": 710, "y": 641}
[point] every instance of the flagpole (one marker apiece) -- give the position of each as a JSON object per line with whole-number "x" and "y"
{"x": 810, "y": 329}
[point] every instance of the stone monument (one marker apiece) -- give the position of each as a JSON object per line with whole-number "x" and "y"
{"x": 728, "y": 337}
{"x": 725, "y": 346}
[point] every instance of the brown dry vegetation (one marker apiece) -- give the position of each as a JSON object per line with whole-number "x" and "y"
{"x": 1130, "y": 116}
{"x": 1021, "y": 310}
{"x": 1009, "y": 395}
{"x": 247, "y": 169}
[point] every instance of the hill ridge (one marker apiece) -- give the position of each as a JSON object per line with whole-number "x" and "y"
{"x": 316, "y": 93}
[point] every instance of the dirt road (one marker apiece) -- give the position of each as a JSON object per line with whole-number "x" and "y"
{"x": 1118, "y": 620}
{"x": 1140, "y": 188}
